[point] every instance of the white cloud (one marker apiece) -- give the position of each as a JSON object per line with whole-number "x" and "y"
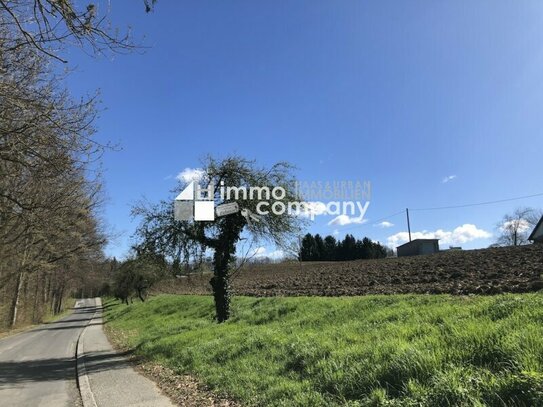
{"x": 520, "y": 225}
{"x": 276, "y": 254}
{"x": 336, "y": 232}
{"x": 190, "y": 174}
{"x": 384, "y": 224}
{"x": 342, "y": 220}
{"x": 261, "y": 252}
{"x": 448, "y": 178}
{"x": 311, "y": 209}
{"x": 461, "y": 234}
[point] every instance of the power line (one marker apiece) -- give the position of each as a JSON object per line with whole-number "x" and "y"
{"x": 389, "y": 216}
{"x": 376, "y": 220}
{"x": 477, "y": 204}
{"x": 447, "y": 207}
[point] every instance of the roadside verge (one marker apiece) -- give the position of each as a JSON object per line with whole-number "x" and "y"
{"x": 106, "y": 377}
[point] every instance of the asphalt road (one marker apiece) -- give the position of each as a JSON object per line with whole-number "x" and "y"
{"x": 38, "y": 367}
{"x": 112, "y": 381}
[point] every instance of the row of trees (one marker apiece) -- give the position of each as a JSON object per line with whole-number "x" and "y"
{"x": 315, "y": 248}
{"x": 50, "y": 191}
{"x": 48, "y": 228}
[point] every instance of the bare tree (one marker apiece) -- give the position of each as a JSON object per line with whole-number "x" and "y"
{"x": 48, "y": 222}
{"x": 160, "y": 233}
{"x": 515, "y": 228}
{"x": 49, "y": 25}
{"x": 50, "y": 231}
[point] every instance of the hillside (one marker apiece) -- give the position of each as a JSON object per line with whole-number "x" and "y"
{"x": 401, "y": 350}
{"x": 486, "y": 271}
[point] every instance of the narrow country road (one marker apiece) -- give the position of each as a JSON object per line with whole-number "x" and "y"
{"x": 40, "y": 367}
{"x": 37, "y": 367}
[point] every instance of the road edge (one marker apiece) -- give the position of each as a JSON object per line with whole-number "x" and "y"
{"x": 83, "y": 384}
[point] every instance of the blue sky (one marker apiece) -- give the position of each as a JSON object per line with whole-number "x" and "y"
{"x": 403, "y": 94}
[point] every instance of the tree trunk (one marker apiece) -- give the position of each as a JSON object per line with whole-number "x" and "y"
{"x": 16, "y": 300}
{"x": 35, "y": 316}
{"x": 53, "y": 301}
{"x": 60, "y": 297}
{"x": 220, "y": 284}
{"x": 230, "y": 231}
{"x": 20, "y": 280}
{"x": 45, "y": 288}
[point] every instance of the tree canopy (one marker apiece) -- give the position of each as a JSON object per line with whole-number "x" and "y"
{"x": 49, "y": 228}
{"x": 49, "y": 25}
{"x": 315, "y": 248}
{"x": 514, "y": 228}
{"x": 160, "y": 233}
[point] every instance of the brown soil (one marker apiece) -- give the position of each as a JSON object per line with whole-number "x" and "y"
{"x": 486, "y": 271}
{"x": 183, "y": 390}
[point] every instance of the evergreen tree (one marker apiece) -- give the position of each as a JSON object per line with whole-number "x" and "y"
{"x": 319, "y": 248}
{"x": 315, "y": 248}
{"x": 348, "y": 248}
{"x": 307, "y": 248}
{"x": 330, "y": 248}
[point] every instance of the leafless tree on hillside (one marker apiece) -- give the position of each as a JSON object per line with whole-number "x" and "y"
{"x": 515, "y": 228}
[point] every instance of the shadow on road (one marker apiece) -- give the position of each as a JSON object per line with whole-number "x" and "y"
{"x": 82, "y": 315}
{"x": 60, "y": 327}
{"x": 41, "y": 370}
{"x": 67, "y": 321}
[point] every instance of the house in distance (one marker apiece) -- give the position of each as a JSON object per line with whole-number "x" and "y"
{"x": 417, "y": 247}
{"x": 537, "y": 234}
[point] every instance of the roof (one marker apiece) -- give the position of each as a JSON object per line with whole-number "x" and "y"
{"x": 419, "y": 240}
{"x": 537, "y": 228}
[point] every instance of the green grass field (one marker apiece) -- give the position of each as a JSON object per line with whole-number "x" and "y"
{"x": 405, "y": 350}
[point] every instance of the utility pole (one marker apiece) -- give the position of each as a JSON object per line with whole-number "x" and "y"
{"x": 408, "y": 224}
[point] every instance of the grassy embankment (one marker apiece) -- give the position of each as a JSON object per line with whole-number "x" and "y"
{"x": 376, "y": 350}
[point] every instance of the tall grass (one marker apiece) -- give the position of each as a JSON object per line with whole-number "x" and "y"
{"x": 405, "y": 350}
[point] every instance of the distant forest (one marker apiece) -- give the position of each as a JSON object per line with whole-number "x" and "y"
{"x": 315, "y": 248}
